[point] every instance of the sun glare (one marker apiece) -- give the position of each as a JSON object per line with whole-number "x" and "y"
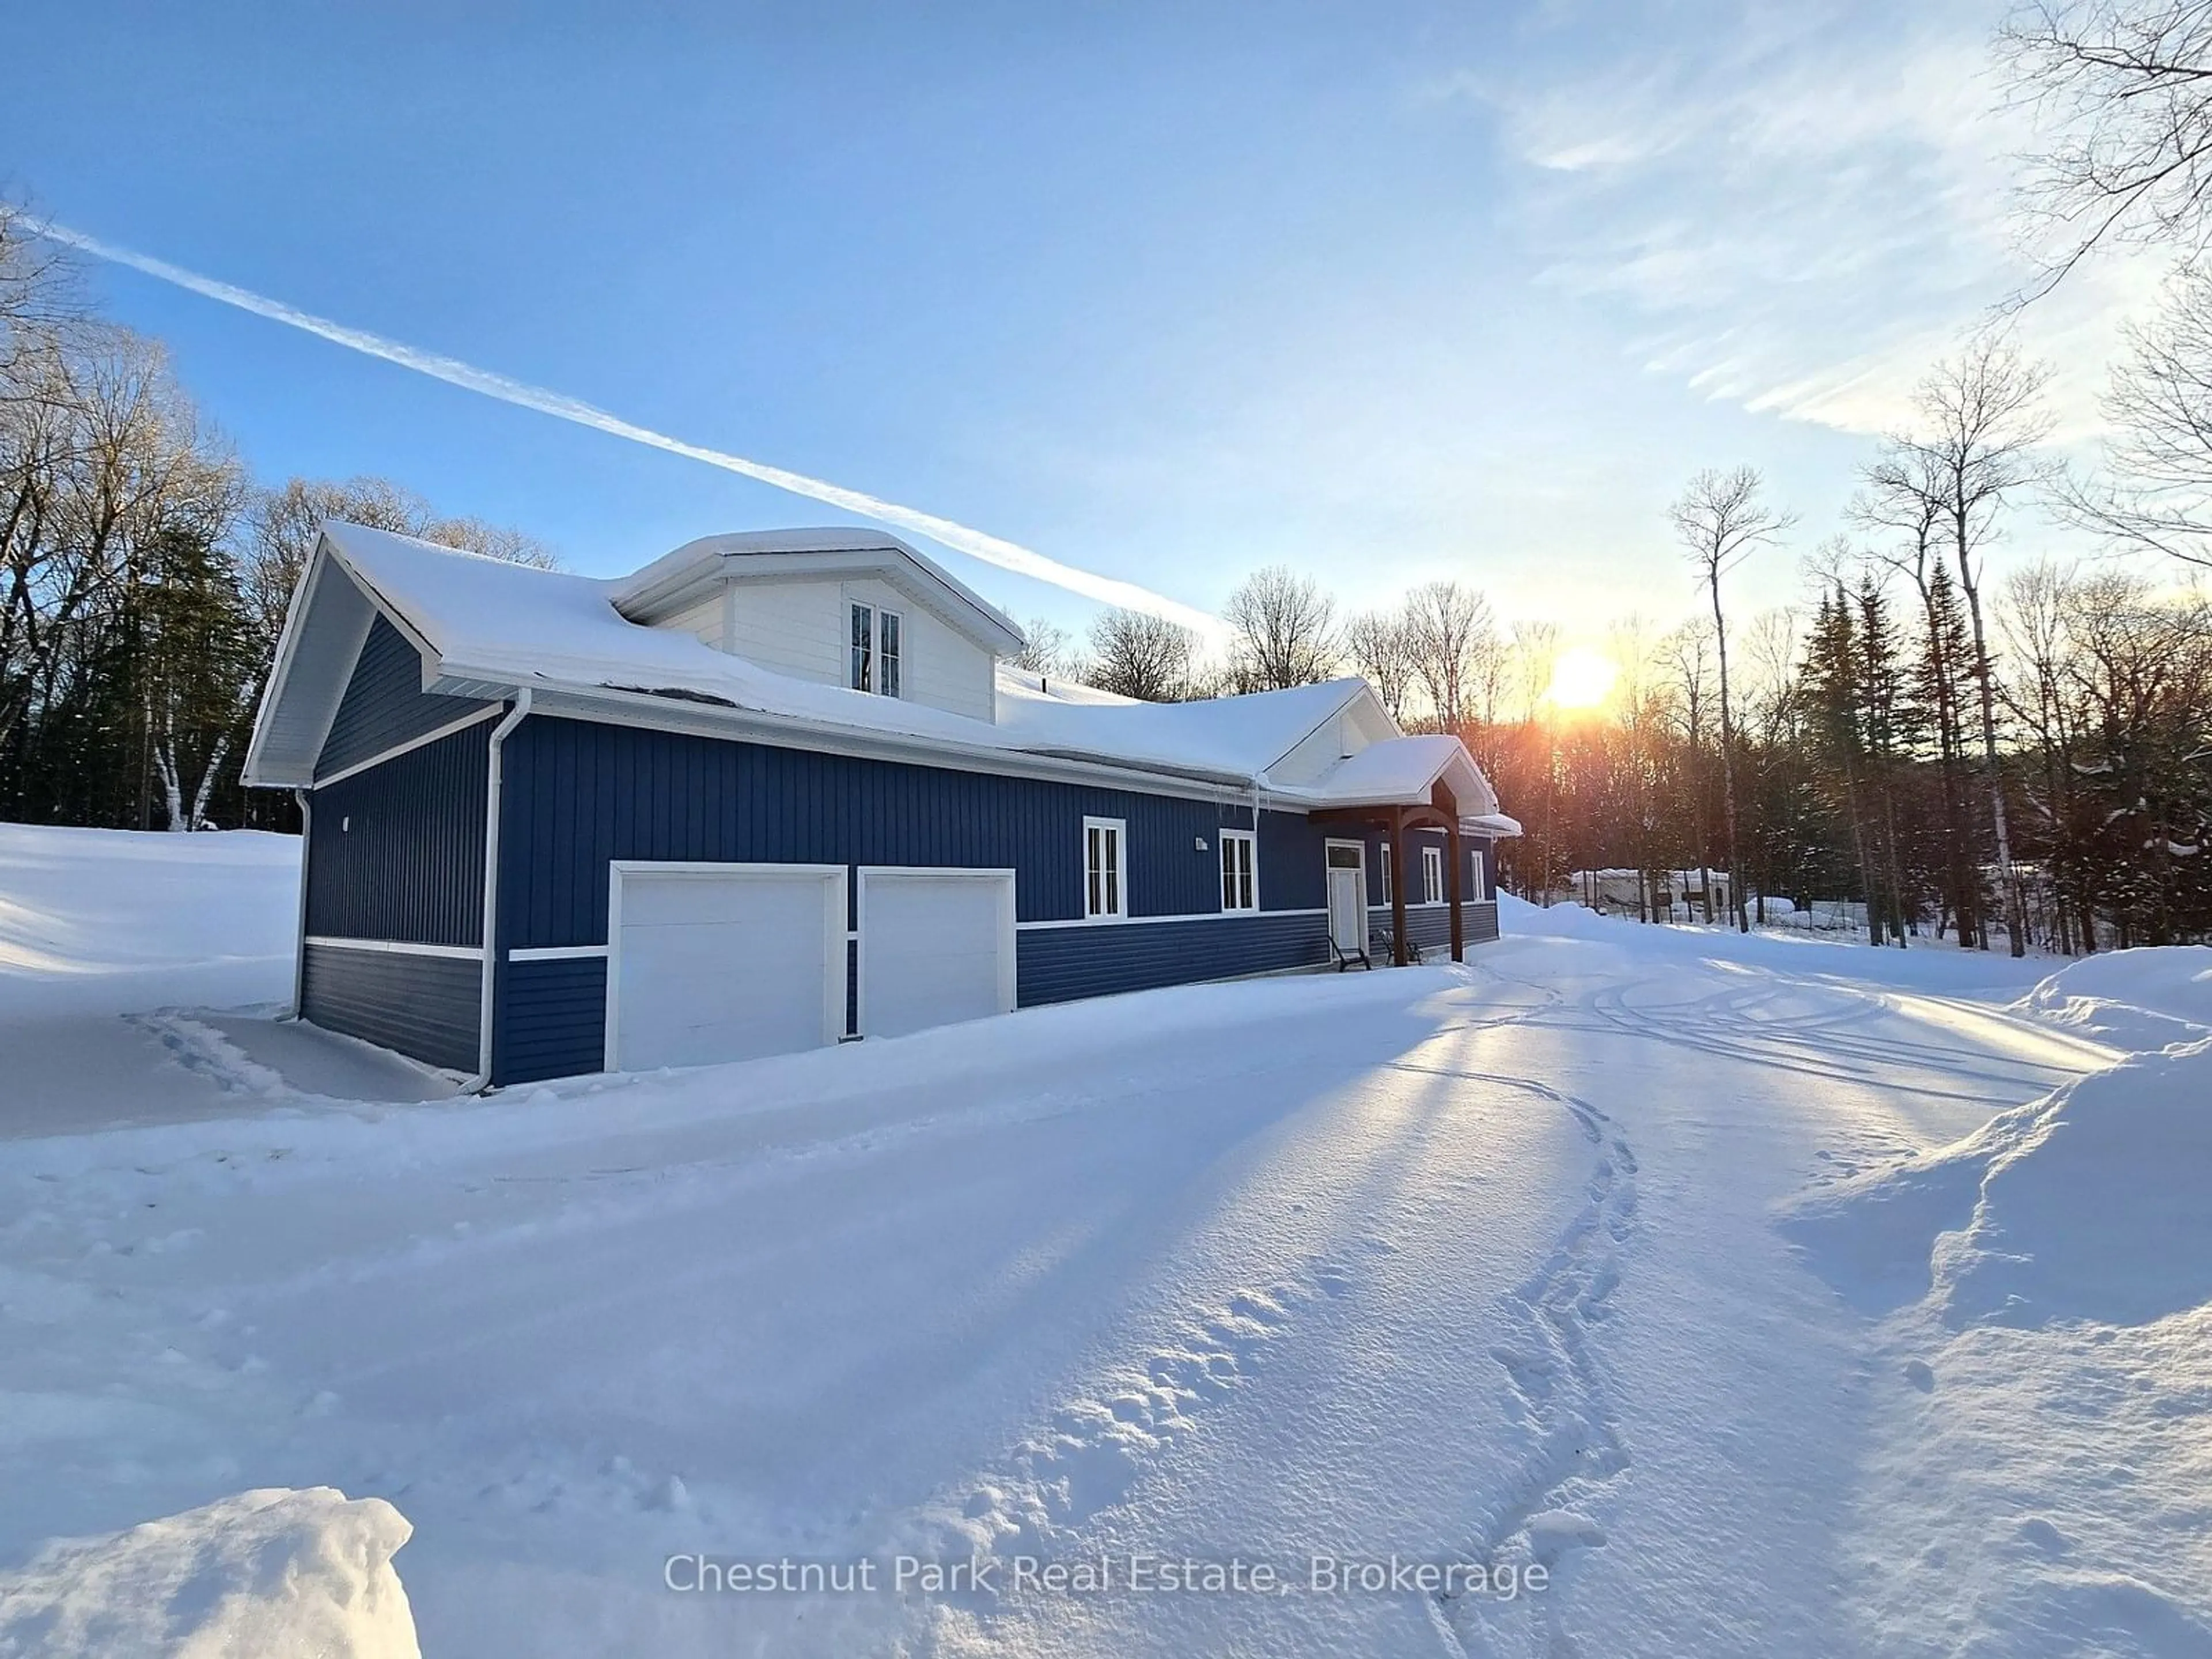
{"x": 1581, "y": 678}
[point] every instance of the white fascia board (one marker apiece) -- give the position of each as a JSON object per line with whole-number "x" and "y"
{"x": 656, "y": 593}
{"x": 258, "y": 772}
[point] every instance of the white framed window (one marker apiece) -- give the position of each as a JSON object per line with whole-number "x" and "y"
{"x": 1240, "y": 887}
{"x": 890, "y": 629}
{"x": 1478, "y": 889}
{"x": 1432, "y": 875}
{"x": 863, "y": 676}
{"x": 878, "y": 650}
{"x": 1385, "y": 850}
{"x": 1105, "y": 869}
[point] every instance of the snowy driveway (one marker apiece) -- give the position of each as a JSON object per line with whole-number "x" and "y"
{"x": 1472, "y": 1264}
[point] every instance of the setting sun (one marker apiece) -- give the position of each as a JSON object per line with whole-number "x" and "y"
{"x": 1581, "y": 678}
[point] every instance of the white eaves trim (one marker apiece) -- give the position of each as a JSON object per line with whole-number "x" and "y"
{"x": 396, "y": 947}
{"x": 412, "y": 743}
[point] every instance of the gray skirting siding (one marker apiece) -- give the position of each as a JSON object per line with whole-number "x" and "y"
{"x": 424, "y": 1007}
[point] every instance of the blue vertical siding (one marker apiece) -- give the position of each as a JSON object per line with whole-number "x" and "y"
{"x": 554, "y": 1019}
{"x": 384, "y": 704}
{"x": 1059, "y": 964}
{"x": 396, "y": 852}
{"x": 580, "y": 794}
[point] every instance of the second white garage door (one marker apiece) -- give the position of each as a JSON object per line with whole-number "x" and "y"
{"x": 716, "y": 961}
{"x": 936, "y": 946}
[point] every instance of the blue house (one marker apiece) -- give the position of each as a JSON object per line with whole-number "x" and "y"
{"x": 777, "y": 790}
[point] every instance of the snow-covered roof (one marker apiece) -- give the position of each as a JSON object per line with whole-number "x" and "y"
{"x": 1240, "y": 735}
{"x": 674, "y": 579}
{"x": 487, "y": 627}
{"x": 1058, "y": 687}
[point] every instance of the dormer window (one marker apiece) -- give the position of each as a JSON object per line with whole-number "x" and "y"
{"x": 878, "y": 662}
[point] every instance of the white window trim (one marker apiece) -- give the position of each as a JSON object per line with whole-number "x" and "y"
{"x": 1478, "y": 889}
{"x": 1251, "y": 840}
{"x": 1432, "y": 875}
{"x": 876, "y": 614}
{"x": 851, "y": 605}
{"x": 1384, "y": 849}
{"x": 1121, "y": 829}
{"x": 900, "y": 695}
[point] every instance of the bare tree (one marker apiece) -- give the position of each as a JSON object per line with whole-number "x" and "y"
{"x": 1980, "y": 419}
{"x": 1141, "y": 656}
{"x": 1047, "y": 650}
{"x": 1687, "y": 654}
{"x": 2156, "y": 490}
{"x": 2125, "y": 86}
{"x": 1284, "y": 631}
{"x": 1449, "y": 628}
{"x": 283, "y": 524}
{"x": 1532, "y": 658}
{"x": 1381, "y": 649}
{"x": 1721, "y": 521}
{"x": 41, "y": 298}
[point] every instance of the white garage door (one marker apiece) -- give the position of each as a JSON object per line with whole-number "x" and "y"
{"x": 717, "y": 961}
{"x": 936, "y": 946}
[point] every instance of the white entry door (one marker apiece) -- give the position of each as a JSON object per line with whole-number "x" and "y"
{"x": 717, "y": 961}
{"x": 936, "y": 946}
{"x": 1347, "y": 896}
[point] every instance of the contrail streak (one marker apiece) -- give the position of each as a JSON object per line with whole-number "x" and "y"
{"x": 991, "y": 550}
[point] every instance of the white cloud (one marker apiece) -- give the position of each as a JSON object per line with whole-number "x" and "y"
{"x": 976, "y": 544}
{"x": 1800, "y": 206}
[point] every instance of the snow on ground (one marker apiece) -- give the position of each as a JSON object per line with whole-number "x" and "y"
{"x": 1719, "y": 1296}
{"x": 2134, "y": 1000}
{"x": 263, "y": 1573}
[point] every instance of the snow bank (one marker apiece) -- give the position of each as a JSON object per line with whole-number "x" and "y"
{"x": 265, "y": 1574}
{"x": 2091, "y": 1203}
{"x": 113, "y": 921}
{"x": 2086, "y": 1205}
{"x": 2130, "y": 999}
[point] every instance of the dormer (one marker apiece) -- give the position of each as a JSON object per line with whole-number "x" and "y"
{"x": 856, "y": 608}
{"x": 1360, "y": 722}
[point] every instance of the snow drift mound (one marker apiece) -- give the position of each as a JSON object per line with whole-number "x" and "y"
{"x": 2131, "y": 1000}
{"x": 2088, "y": 1203}
{"x": 264, "y": 1575}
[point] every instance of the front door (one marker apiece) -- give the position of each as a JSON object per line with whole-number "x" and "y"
{"x": 1347, "y": 896}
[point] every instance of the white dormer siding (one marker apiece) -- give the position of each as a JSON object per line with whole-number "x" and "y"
{"x": 804, "y": 629}
{"x": 707, "y": 621}
{"x": 1360, "y": 722}
{"x": 784, "y": 599}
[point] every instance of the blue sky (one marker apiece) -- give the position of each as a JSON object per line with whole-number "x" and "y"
{"x": 1383, "y": 293}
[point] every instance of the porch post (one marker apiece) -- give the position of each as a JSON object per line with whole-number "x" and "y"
{"x": 1398, "y": 886}
{"x": 1457, "y": 855}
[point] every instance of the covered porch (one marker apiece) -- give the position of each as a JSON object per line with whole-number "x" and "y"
{"x": 1406, "y": 785}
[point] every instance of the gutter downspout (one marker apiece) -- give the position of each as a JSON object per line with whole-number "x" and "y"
{"x": 482, "y": 1081}
{"x": 299, "y": 934}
